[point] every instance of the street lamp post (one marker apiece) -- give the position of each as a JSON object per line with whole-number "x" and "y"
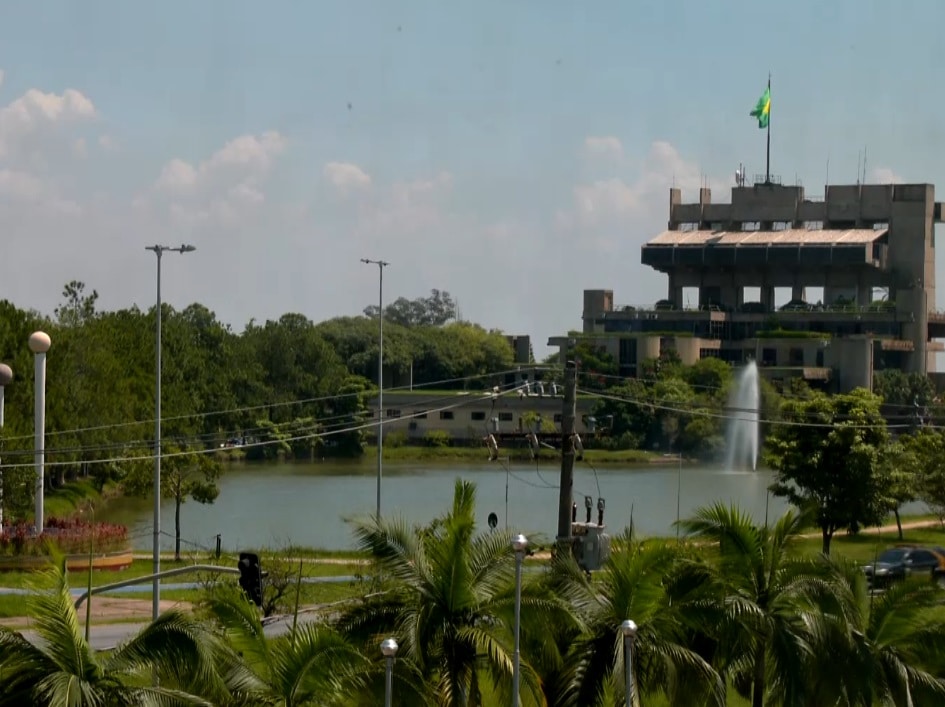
{"x": 380, "y": 375}
{"x": 39, "y": 344}
{"x": 389, "y": 649}
{"x": 159, "y": 250}
{"x": 6, "y": 376}
{"x": 520, "y": 546}
{"x": 629, "y": 630}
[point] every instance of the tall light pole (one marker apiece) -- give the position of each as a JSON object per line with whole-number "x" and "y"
{"x": 389, "y": 649}
{"x": 39, "y": 344}
{"x": 159, "y": 250}
{"x": 6, "y": 376}
{"x": 380, "y": 376}
{"x": 629, "y": 630}
{"x": 520, "y": 546}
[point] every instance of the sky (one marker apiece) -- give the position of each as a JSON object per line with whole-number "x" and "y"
{"x": 512, "y": 154}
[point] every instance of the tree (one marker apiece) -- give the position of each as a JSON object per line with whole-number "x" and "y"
{"x": 78, "y": 307}
{"x": 312, "y": 665}
{"x": 666, "y": 598}
{"x": 450, "y": 599}
{"x": 185, "y": 473}
{"x": 889, "y": 652}
{"x": 436, "y": 310}
{"x": 899, "y": 469}
{"x": 597, "y": 368}
{"x": 826, "y": 455}
{"x": 63, "y": 669}
{"x": 773, "y": 601}
{"x": 926, "y": 449}
{"x": 628, "y": 413}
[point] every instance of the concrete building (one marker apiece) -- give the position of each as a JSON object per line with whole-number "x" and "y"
{"x": 469, "y": 416}
{"x": 868, "y": 250}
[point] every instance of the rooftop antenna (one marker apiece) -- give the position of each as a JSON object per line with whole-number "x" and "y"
{"x": 827, "y": 178}
{"x": 864, "y": 164}
{"x": 859, "y": 161}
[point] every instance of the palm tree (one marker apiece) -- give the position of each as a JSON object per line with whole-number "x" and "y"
{"x": 450, "y": 605}
{"x": 312, "y": 665}
{"x": 776, "y": 603}
{"x": 61, "y": 668}
{"x": 667, "y": 597}
{"x": 893, "y": 653}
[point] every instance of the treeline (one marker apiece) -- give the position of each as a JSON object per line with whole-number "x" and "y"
{"x": 290, "y": 382}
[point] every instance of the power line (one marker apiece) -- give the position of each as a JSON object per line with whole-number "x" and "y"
{"x": 311, "y": 423}
{"x": 145, "y": 457}
{"x": 268, "y": 406}
{"x": 701, "y": 412}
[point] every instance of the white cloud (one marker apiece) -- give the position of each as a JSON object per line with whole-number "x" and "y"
{"x": 107, "y": 143}
{"x": 36, "y": 111}
{"x": 177, "y": 175}
{"x": 346, "y": 176}
{"x": 606, "y": 146}
{"x": 884, "y": 175}
{"x": 622, "y": 212}
{"x": 407, "y": 208}
{"x": 19, "y": 185}
{"x": 244, "y": 159}
{"x": 79, "y": 148}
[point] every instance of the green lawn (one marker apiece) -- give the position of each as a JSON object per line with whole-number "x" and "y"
{"x": 481, "y": 454}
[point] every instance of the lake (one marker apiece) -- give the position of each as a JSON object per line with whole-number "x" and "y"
{"x": 273, "y": 505}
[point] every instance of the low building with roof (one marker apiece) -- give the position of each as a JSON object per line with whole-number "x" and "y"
{"x": 867, "y": 249}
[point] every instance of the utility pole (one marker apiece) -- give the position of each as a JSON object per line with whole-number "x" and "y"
{"x": 568, "y": 415}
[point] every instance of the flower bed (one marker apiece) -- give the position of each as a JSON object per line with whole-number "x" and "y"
{"x": 69, "y": 536}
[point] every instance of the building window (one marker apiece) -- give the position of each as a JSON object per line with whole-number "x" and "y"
{"x": 477, "y": 416}
{"x": 446, "y": 414}
{"x": 420, "y": 415}
{"x": 393, "y": 413}
{"x": 505, "y": 417}
{"x": 796, "y": 357}
{"x": 557, "y": 418}
{"x": 412, "y": 426}
{"x": 368, "y": 414}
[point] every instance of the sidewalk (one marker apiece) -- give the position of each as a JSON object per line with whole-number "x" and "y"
{"x": 110, "y": 610}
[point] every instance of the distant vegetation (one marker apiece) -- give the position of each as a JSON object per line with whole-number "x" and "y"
{"x": 292, "y": 388}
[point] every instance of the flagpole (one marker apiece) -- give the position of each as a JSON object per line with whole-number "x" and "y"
{"x": 768, "y": 152}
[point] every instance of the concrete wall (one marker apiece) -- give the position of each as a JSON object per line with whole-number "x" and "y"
{"x": 472, "y": 419}
{"x": 852, "y": 361}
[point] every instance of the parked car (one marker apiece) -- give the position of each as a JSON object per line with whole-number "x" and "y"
{"x": 897, "y": 563}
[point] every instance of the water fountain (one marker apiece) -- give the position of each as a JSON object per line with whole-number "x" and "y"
{"x": 742, "y": 435}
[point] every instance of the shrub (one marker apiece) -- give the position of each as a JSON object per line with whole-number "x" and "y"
{"x": 437, "y": 438}
{"x": 70, "y": 536}
{"x": 397, "y": 438}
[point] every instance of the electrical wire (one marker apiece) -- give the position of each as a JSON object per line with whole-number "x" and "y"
{"x": 710, "y": 388}
{"x": 467, "y": 400}
{"x": 701, "y": 412}
{"x": 311, "y": 423}
{"x": 267, "y": 406}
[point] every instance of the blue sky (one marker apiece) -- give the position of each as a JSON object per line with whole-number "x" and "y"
{"x": 510, "y": 153}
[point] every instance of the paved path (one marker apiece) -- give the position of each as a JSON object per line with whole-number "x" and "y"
{"x": 109, "y": 609}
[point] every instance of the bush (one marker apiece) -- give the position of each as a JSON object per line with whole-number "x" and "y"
{"x": 68, "y": 536}
{"x": 437, "y": 438}
{"x": 398, "y": 438}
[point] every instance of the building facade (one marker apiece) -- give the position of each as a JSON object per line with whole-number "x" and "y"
{"x": 470, "y": 416}
{"x": 867, "y": 249}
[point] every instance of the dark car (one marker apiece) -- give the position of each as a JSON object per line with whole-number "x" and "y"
{"x": 897, "y": 563}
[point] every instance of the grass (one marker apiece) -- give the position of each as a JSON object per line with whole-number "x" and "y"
{"x": 69, "y": 499}
{"x": 410, "y": 453}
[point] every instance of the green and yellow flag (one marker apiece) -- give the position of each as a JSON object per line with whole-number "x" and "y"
{"x": 762, "y": 110}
